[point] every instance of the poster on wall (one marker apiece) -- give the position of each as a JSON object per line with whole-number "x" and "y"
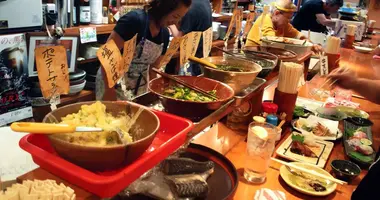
{"x": 14, "y": 103}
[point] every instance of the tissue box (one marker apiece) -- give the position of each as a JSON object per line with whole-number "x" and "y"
{"x": 343, "y": 23}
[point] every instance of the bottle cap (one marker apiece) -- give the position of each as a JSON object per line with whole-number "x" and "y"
{"x": 272, "y": 119}
{"x": 269, "y": 107}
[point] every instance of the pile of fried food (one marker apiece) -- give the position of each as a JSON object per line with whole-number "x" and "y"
{"x": 38, "y": 190}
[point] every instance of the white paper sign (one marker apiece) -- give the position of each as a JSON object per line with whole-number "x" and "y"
{"x": 16, "y": 115}
{"x": 87, "y": 35}
{"x": 324, "y": 67}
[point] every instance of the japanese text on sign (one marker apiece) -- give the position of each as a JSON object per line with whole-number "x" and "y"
{"x": 173, "y": 48}
{"x": 249, "y": 24}
{"x": 324, "y": 68}
{"x": 53, "y": 73}
{"x": 207, "y": 42}
{"x": 110, "y": 57}
{"x": 189, "y": 45}
{"x": 239, "y": 19}
{"x": 231, "y": 25}
{"x": 129, "y": 51}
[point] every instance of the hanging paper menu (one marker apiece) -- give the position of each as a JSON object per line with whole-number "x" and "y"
{"x": 110, "y": 57}
{"x": 129, "y": 51}
{"x": 53, "y": 73}
{"x": 189, "y": 45}
{"x": 239, "y": 19}
{"x": 173, "y": 48}
{"x": 207, "y": 42}
{"x": 230, "y": 26}
{"x": 249, "y": 24}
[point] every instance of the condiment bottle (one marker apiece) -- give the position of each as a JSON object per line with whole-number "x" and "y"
{"x": 269, "y": 112}
{"x": 85, "y": 12}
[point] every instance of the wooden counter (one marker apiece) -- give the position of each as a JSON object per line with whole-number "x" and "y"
{"x": 232, "y": 145}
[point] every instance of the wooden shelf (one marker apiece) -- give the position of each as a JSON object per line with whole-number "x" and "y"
{"x": 100, "y": 29}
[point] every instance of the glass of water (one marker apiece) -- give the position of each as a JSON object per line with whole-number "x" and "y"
{"x": 260, "y": 146}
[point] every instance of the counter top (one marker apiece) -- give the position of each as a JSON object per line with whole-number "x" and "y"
{"x": 232, "y": 145}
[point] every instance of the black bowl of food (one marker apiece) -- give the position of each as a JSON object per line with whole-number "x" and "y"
{"x": 266, "y": 60}
{"x": 358, "y": 121}
{"x": 345, "y": 170}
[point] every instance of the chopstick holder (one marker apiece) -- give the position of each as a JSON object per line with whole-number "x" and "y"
{"x": 286, "y": 103}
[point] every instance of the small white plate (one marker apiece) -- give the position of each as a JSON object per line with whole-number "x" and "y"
{"x": 287, "y": 177}
{"x": 332, "y": 125}
{"x": 363, "y": 49}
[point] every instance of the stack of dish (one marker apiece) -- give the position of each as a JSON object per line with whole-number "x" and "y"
{"x": 77, "y": 83}
{"x": 91, "y": 70}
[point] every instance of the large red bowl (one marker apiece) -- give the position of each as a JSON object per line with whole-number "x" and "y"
{"x": 192, "y": 110}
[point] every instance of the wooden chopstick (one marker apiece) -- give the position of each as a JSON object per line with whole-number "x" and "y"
{"x": 177, "y": 80}
{"x": 291, "y": 165}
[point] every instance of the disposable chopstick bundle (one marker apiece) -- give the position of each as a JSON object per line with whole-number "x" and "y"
{"x": 333, "y": 45}
{"x": 351, "y": 29}
{"x": 289, "y": 77}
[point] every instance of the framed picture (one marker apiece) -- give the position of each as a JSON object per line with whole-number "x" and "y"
{"x": 37, "y": 40}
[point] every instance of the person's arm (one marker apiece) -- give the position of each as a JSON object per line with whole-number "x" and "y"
{"x": 291, "y": 32}
{"x": 175, "y": 32}
{"x": 321, "y": 18}
{"x": 370, "y": 89}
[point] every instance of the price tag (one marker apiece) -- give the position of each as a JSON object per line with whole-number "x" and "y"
{"x": 53, "y": 73}
{"x": 110, "y": 57}
{"x": 173, "y": 48}
{"x": 54, "y": 101}
{"x": 231, "y": 25}
{"x": 249, "y": 24}
{"x": 194, "y": 43}
{"x": 189, "y": 45}
{"x": 207, "y": 42}
{"x": 129, "y": 50}
{"x": 87, "y": 35}
{"x": 239, "y": 19}
{"x": 324, "y": 67}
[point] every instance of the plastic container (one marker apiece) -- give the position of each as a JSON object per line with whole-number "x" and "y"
{"x": 170, "y": 136}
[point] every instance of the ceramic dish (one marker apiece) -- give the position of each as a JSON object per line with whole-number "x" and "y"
{"x": 289, "y": 179}
{"x": 322, "y": 152}
{"x": 331, "y": 113}
{"x": 363, "y": 49}
{"x": 358, "y": 142}
{"x": 353, "y": 112}
{"x": 345, "y": 170}
{"x": 309, "y": 104}
{"x": 312, "y": 121}
{"x": 222, "y": 182}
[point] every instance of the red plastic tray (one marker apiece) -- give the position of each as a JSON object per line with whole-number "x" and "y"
{"x": 170, "y": 136}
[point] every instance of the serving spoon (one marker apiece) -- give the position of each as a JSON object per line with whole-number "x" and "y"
{"x": 46, "y": 128}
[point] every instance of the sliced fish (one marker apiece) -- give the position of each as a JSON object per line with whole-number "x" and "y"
{"x": 188, "y": 186}
{"x": 177, "y": 166}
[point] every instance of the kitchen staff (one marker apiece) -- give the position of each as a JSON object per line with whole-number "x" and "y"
{"x": 314, "y": 15}
{"x": 198, "y": 18}
{"x": 276, "y": 23}
{"x": 152, "y": 40}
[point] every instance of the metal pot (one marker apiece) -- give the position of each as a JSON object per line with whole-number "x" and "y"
{"x": 236, "y": 80}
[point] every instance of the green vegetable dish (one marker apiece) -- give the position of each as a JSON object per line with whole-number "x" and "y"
{"x": 231, "y": 68}
{"x": 184, "y": 93}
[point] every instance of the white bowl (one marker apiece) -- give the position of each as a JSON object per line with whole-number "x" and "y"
{"x": 363, "y": 49}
